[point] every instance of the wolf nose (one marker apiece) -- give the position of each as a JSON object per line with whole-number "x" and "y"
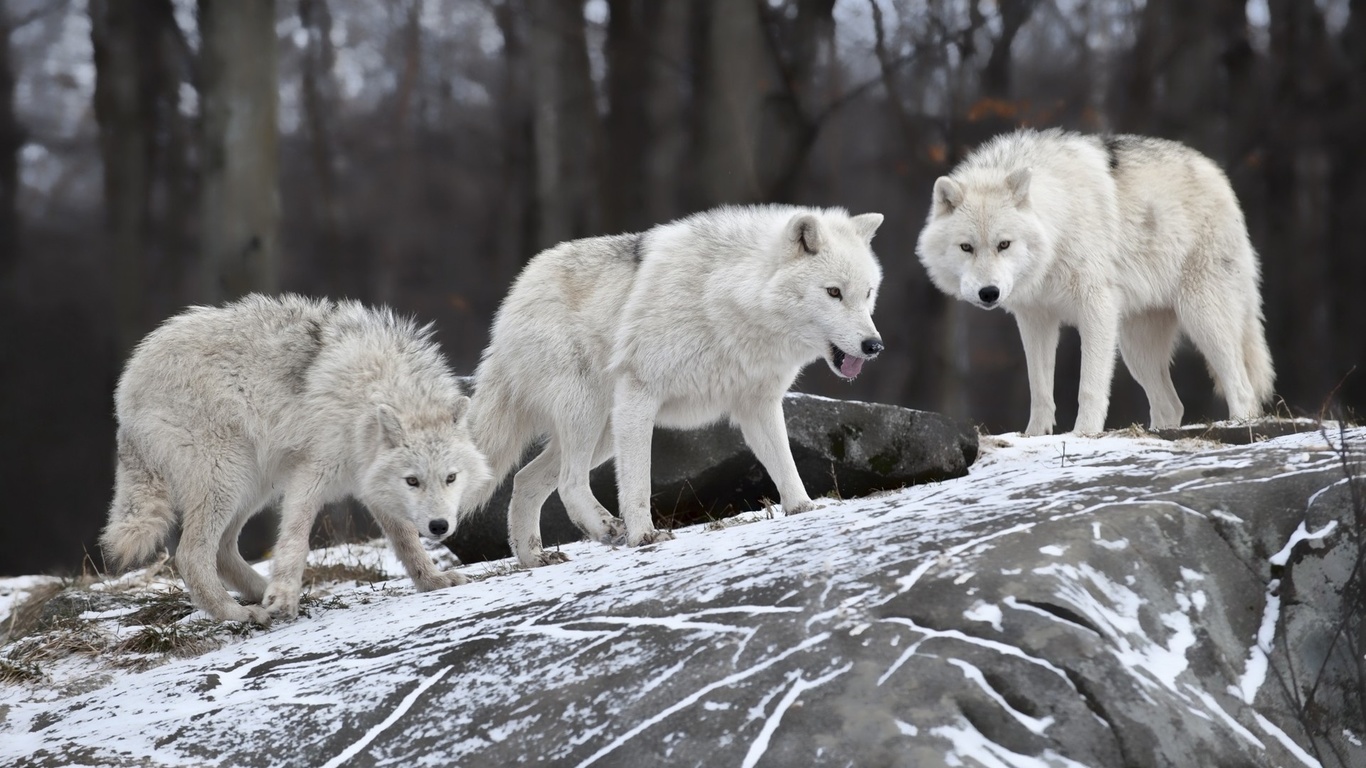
{"x": 989, "y": 294}
{"x": 438, "y": 527}
{"x": 871, "y": 347}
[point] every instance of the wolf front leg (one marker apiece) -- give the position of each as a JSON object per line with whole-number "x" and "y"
{"x": 765, "y": 431}
{"x": 407, "y": 544}
{"x": 1099, "y": 327}
{"x": 633, "y": 418}
{"x": 1039, "y": 334}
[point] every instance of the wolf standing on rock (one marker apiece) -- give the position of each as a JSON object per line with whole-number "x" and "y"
{"x": 689, "y": 322}
{"x": 1130, "y": 239}
{"x": 223, "y": 410}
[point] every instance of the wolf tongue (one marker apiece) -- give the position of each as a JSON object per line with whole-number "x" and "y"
{"x": 850, "y": 366}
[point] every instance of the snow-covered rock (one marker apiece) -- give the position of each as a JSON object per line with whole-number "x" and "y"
{"x": 1112, "y": 601}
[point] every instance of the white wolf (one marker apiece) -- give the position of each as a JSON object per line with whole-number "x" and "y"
{"x": 223, "y": 410}
{"x": 1130, "y": 239}
{"x": 710, "y": 316}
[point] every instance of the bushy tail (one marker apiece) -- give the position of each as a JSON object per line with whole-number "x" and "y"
{"x": 1258, "y": 358}
{"x": 140, "y": 516}
{"x": 500, "y": 429}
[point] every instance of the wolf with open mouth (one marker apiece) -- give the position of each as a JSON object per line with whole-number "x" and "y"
{"x": 705, "y": 318}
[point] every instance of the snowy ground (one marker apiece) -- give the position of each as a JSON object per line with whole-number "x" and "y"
{"x": 690, "y": 651}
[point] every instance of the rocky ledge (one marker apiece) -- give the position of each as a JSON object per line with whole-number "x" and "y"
{"x": 1117, "y": 601}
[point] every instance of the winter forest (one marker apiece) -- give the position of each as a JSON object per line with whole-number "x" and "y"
{"x": 417, "y": 153}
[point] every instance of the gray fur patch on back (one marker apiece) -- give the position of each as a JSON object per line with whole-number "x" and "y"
{"x": 637, "y": 249}
{"x": 311, "y": 345}
{"x": 1113, "y": 146}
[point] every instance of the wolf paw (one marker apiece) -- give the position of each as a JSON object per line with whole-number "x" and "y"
{"x": 801, "y": 506}
{"x": 652, "y": 536}
{"x": 440, "y": 580}
{"x": 281, "y": 602}
{"x": 246, "y": 614}
{"x": 552, "y": 557}
{"x": 616, "y": 533}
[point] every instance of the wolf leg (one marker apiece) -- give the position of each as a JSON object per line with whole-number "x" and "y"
{"x": 1099, "y": 327}
{"x": 633, "y": 417}
{"x": 407, "y": 544}
{"x": 1039, "y": 334}
{"x": 202, "y": 530}
{"x": 233, "y": 568}
{"x": 1218, "y": 331}
{"x": 577, "y": 460}
{"x": 297, "y": 512}
{"x": 531, "y": 486}
{"x": 1145, "y": 342}
{"x": 765, "y": 431}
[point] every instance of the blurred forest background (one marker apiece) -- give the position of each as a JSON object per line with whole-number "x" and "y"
{"x": 158, "y": 153}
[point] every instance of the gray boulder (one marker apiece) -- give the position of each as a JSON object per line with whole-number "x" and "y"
{"x": 1115, "y": 601}
{"x": 846, "y": 449}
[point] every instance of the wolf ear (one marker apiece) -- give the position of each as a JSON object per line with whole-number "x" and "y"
{"x": 1018, "y": 184}
{"x": 390, "y": 428}
{"x": 948, "y": 195}
{"x": 866, "y": 225}
{"x": 462, "y": 406}
{"x": 805, "y": 231}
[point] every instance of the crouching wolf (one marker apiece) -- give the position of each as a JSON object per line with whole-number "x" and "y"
{"x": 1130, "y": 239}
{"x": 223, "y": 410}
{"x": 689, "y": 322}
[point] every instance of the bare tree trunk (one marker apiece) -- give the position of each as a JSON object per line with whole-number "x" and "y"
{"x": 1297, "y": 167}
{"x": 666, "y": 102}
{"x": 404, "y": 196}
{"x": 515, "y": 235}
{"x": 123, "y": 38}
{"x": 11, "y": 141}
{"x": 729, "y": 102}
{"x": 319, "y": 104}
{"x": 627, "y": 127}
{"x": 566, "y": 124}
{"x": 240, "y": 142}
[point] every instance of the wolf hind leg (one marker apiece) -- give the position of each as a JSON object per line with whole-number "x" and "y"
{"x": 1217, "y": 330}
{"x": 579, "y": 454}
{"x": 531, "y": 486}
{"x": 1146, "y": 341}
{"x": 205, "y": 523}
{"x": 233, "y": 568}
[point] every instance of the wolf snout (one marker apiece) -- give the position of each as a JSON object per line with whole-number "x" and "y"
{"x": 872, "y": 346}
{"x": 438, "y": 527}
{"x": 989, "y": 294}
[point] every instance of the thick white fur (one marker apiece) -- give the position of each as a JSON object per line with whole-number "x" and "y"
{"x": 1130, "y": 239}
{"x": 224, "y": 410}
{"x": 708, "y": 317}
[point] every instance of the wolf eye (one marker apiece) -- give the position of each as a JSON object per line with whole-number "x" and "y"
{"x": 1004, "y": 244}
{"x": 834, "y": 293}
{"x": 967, "y": 247}
{"x": 412, "y": 481}
{"x": 450, "y": 478}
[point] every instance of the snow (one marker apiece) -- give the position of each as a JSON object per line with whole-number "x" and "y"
{"x": 404, "y": 645}
{"x": 1302, "y": 534}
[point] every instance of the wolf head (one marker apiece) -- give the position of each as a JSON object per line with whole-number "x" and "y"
{"x": 829, "y": 280}
{"x": 423, "y": 467}
{"x": 983, "y": 241}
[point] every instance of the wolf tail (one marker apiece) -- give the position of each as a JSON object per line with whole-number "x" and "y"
{"x": 1258, "y": 357}
{"x": 500, "y": 429}
{"x": 141, "y": 514}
